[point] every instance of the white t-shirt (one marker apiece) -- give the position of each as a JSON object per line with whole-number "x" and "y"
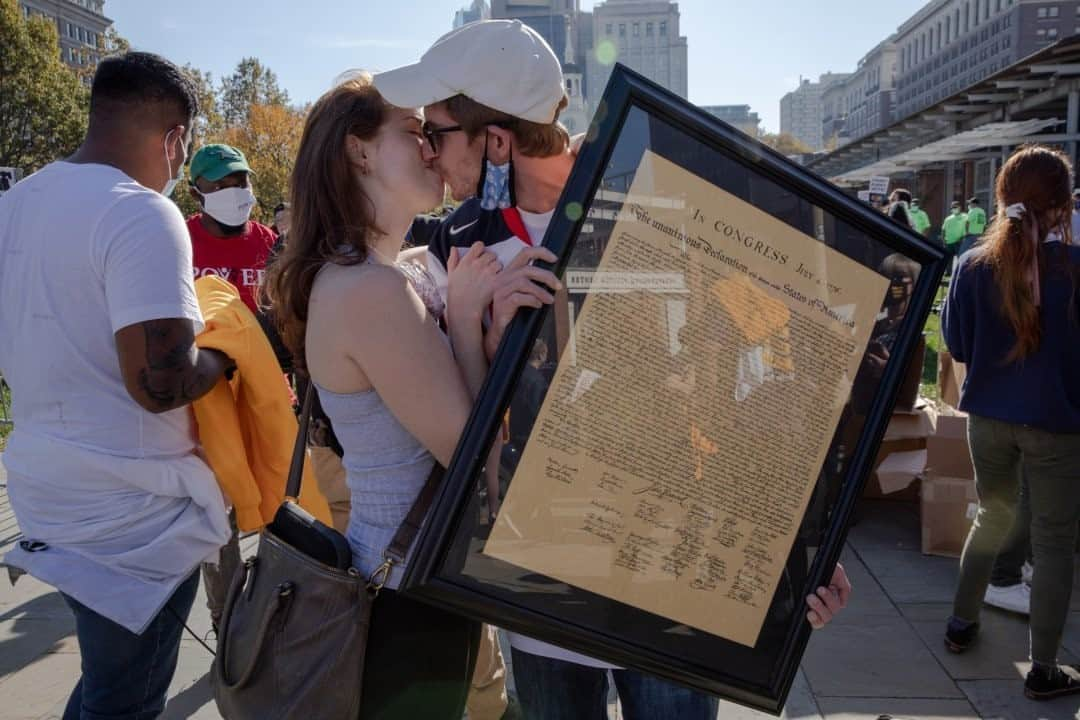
{"x": 117, "y": 493}
{"x": 85, "y": 251}
{"x": 536, "y": 225}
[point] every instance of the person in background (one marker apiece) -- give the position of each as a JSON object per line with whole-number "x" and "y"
{"x": 953, "y": 229}
{"x": 976, "y": 225}
{"x": 1011, "y": 317}
{"x": 282, "y": 220}
{"x": 899, "y": 204}
{"x": 226, "y": 243}
{"x": 117, "y": 508}
{"x": 919, "y": 219}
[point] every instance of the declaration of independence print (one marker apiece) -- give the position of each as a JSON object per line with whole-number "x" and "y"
{"x": 671, "y": 462}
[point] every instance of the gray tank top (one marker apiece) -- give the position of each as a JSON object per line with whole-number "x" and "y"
{"x": 386, "y": 467}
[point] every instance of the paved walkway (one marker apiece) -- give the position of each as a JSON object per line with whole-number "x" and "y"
{"x": 883, "y": 656}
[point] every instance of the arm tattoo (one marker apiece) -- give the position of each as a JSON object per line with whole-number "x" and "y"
{"x": 171, "y": 376}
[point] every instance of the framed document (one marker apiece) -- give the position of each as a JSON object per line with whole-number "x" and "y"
{"x": 685, "y": 432}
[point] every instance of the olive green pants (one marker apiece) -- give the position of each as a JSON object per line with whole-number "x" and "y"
{"x": 1052, "y": 464}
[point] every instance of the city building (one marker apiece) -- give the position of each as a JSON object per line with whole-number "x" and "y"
{"x": 561, "y": 24}
{"x": 944, "y": 48}
{"x": 801, "y": 110}
{"x": 870, "y": 92}
{"x": 950, "y": 45}
{"x": 738, "y": 116}
{"x": 836, "y": 102}
{"x": 81, "y": 25}
{"x": 555, "y": 20}
{"x": 479, "y": 10}
{"x": 644, "y": 36}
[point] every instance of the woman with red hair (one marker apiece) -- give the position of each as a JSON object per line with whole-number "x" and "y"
{"x": 1013, "y": 315}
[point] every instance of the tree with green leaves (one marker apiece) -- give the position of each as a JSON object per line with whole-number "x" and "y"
{"x": 251, "y": 84}
{"x": 209, "y": 123}
{"x": 43, "y": 104}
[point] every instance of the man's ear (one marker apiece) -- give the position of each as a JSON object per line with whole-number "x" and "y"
{"x": 499, "y": 143}
{"x": 174, "y": 148}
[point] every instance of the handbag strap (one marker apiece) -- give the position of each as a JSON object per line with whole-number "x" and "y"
{"x": 406, "y": 532}
{"x": 296, "y": 467}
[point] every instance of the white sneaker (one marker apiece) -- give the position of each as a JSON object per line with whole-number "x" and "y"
{"x": 1026, "y": 572}
{"x": 1014, "y": 598}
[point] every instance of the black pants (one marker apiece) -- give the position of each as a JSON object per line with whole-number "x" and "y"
{"x": 419, "y": 661}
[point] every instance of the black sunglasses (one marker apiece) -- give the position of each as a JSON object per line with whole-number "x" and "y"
{"x": 433, "y": 132}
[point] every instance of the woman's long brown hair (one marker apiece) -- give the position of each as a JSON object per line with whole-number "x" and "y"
{"x": 1041, "y": 178}
{"x": 331, "y": 217}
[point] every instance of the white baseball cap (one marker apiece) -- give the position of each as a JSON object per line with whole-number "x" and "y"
{"x": 503, "y": 64}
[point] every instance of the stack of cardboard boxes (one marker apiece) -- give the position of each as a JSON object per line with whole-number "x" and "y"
{"x": 925, "y": 456}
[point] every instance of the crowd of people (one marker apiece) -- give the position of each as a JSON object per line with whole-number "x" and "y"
{"x": 131, "y": 321}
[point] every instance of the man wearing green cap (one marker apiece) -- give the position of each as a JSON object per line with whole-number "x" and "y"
{"x": 224, "y": 241}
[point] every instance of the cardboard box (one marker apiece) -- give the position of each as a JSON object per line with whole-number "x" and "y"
{"x": 947, "y": 452}
{"x": 916, "y": 423}
{"x": 899, "y": 469}
{"x": 873, "y": 488}
{"x": 951, "y": 375}
{"x": 947, "y": 508}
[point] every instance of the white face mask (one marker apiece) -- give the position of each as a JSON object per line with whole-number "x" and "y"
{"x": 231, "y": 206}
{"x": 171, "y": 184}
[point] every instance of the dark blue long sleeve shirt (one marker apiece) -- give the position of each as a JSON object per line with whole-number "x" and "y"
{"x": 1041, "y": 390}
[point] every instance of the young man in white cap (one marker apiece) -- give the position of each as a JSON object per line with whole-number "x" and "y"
{"x": 492, "y": 92}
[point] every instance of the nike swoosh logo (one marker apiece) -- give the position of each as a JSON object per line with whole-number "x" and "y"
{"x": 456, "y": 230}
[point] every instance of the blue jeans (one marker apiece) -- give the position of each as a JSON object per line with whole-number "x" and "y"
{"x": 550, "y": 689}
{"x": 126, "y": 676}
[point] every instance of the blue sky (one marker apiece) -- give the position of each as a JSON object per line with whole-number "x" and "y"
{"x": 741, "y": 52}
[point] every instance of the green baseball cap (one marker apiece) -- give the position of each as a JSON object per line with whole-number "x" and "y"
{"x": 214, "y": 162}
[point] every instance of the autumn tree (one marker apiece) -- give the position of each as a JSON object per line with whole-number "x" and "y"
{"x": 43, "y": 105}
{"x": 269, "y": 140}
{"x": 252, "y": 83}
{"x": 785, "y": 143}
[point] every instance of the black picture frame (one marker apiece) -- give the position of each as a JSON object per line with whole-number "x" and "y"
{"x": 435, "y": 575}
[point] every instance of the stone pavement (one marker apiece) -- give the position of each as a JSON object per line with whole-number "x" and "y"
{"x": 883, "y": 656}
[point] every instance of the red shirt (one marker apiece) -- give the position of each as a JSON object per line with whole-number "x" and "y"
{"x": 240, "y": 259}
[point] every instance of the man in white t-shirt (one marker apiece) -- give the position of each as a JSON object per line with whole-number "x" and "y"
{"x": 99, "y": 316}
{"x": 492, "y": 92}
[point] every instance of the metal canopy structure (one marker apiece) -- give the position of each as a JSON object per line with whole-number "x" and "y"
{"x": 953, "y": 147}
{"x": 1037, "y": 94}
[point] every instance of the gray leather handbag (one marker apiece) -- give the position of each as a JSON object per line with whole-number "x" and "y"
{"x": 294, "y": 630}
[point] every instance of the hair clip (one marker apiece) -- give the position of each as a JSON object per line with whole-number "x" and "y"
{"x": 1016, "y": 211}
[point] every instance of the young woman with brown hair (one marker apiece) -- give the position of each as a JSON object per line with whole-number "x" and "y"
{"x": 366, "y": 328}
{"x": 1013, "y": 316}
